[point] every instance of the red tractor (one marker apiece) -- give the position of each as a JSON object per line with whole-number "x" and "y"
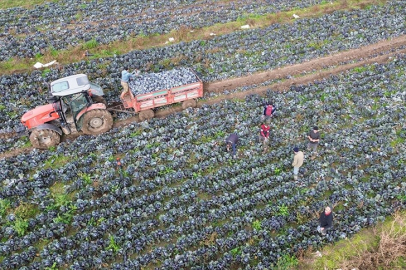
{"x": 77, "y": 104}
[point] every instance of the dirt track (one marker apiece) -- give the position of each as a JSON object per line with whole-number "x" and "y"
{"x": 297, "y": 74}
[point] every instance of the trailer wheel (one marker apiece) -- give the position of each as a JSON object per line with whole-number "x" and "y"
{"x": 96, "y": 122}
{"x": 44, "y": 138}
{"x": 99, "y": 99}
{"x": 146, "y": 115}
{"x": 191, "y": 103}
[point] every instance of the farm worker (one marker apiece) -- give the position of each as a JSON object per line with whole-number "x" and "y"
{"x": 314, "y": 138}
{"x": 269, "y": 110}
{"x": 297, "y": 162}
{"x": 231, "y": 142}
{"x": 87, "y": 54}
{"x": 125, "y": 79}
{"x": 325, "y": 220}
{"x": 119, "y": 167}
{"x": 264, "y": 134}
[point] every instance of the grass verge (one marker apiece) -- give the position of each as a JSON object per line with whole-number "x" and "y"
{"x": 5, "y": 4}
{"x": 381, "y": 247}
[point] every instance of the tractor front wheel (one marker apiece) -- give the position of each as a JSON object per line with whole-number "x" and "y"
{"x": 44, "y": 138}
{"x": 96, "y": 122}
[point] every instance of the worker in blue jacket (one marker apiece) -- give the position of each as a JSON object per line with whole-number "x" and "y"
{"x": 126, "y": 77}
{"x": 231, "y": 142}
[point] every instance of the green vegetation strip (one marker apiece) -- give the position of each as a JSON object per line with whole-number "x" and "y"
{"x": 22, "y": 213}
{"x": 184, "y": 34}
{"x": 5, "y": 4}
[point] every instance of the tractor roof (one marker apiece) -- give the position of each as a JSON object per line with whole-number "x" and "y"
{"x": 70, "y": 85}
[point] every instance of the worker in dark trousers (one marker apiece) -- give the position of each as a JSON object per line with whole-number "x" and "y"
{"x": 314, "y": 139}
{"x": 231, "y": 142}
{"x": 325, "y": 220}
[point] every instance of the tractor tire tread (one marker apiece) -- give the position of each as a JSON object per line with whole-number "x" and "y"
{"x": 55, "y": 138}
{"x": 88, "y": 116}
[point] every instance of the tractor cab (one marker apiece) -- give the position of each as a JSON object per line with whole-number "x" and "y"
{"x": 75, "y": 84}
{"x": 73, "y": 94}
{"x": 73, "y": 87}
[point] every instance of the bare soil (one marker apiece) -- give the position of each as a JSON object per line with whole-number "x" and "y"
{"x": 360, "y": 55}
{"x": 298, "y": 74}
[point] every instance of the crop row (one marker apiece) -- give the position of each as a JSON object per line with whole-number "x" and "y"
{"x": 31, "y": 32}
{"x": 183, "y": 202}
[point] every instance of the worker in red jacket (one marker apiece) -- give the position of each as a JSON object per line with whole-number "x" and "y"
{"x": 264, "y": 135}
{"x": 269, "y": 110}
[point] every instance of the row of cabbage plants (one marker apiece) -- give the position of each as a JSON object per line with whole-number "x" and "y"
{"x": 181, "y": 201}
{"x": 31, "y": 32}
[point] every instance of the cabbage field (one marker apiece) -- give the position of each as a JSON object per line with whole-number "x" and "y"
{"x": 179, "y": 200}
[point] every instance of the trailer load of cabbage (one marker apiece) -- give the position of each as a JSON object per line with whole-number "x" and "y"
{"x": 150, "y": 82}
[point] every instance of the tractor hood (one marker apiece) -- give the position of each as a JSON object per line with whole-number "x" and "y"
{"x": 39, "y": 115}
{"x": 40, "y": 110}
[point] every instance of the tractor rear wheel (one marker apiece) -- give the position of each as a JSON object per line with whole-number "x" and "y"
{"x": 96, "y": 122}
{"x": 146, "y": 115}
{"x": 191, "y": 103}
{"x": 99, "y": 99}
{"x": 44, "y": 138}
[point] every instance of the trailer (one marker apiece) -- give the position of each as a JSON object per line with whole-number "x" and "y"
{"x": 144, "y": 104}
